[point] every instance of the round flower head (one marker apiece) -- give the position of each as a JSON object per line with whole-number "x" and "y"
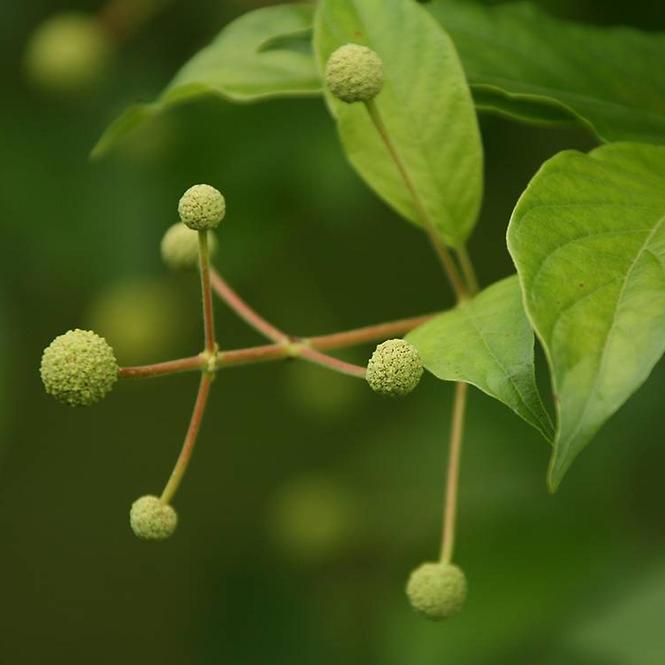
{"x": 152, "y": 519}
{"x": 67, "y": 53}
{"x": 395, "y": 368}
{"x": 79, "y": 368}
{"x": 180, "y": 247}
{"x": 354, "y": 73}
{"x": 202, "y": 207}
{"x": 437, "y": 590}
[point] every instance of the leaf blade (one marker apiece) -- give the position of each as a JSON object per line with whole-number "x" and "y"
{"x": 523, "y": 53}
{"x": 588, "y": 240}
{"x": 237, "y": 67}
{"x": 433, "y": 127}
{"x": 488, "y": 343}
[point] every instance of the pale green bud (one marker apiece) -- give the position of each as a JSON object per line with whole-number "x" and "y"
{"x": 180, "y": 247}
{"x": 437, "y": 590}
{"x": 67, "y": 53}
{"x": 79, "y": 368}
{"x": 395, "y": 368}
{"x": 354, "y": 73}
{"x": 202, "y": 207}
{"x": 152, "y": 519}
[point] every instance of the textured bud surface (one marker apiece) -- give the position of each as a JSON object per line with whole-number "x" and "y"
{"x": 67, "y": 52}
{"x": 202, "y": 207}
{"x": 395, "y": 368}
{"x": 354, "y": 73}
{"x": 152, "y": 519}
{"x": 180, "y": 247}
{"x": 79, "y": 368}
{"x": 437, "y": 590}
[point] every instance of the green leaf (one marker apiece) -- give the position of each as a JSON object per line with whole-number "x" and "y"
{"x": 488, "y": 343}
{"x": 425, "y": 105}
{"x": 520, "y": 63}
{"x": 530, "y": 66}
{"x": 243, "y": 64}
{"x": 588, "y": 239}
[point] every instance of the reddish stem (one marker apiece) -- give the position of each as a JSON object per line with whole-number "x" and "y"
{"x": 243, "y": 310}
{"x": 336, "y": 364}
{"x": 295, "y": 349}
{"x": 190, "y": 438}
{"x": 380, "y": 331}
{"x": 159, "y": 369}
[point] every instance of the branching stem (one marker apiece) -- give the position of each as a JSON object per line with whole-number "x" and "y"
{"x": 294, "y": 349}
{"x": 244, "y": 311}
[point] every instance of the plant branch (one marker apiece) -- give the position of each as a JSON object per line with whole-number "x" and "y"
{"x": 373, "y": 333}
{"x": 294, "y": 349}
{"x": 336, "y": 364}
{"x": 190, "y": 438}
{"x": 452, "y": 483}
{"x": 161, "y": 369}
{"x": 206, "y": 294}
{"x": 444, "y": 255}
{"x": 244, "y": 311}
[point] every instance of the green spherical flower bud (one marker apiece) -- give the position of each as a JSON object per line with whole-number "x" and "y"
{"x": 354, "y": 73}
{"x": 437, "y": 590}
{"x": 152, "y": 519}
{"x": 395, "y": 368}
{"x": 180, "y": 247}
{"x": 79, "y": 368}
{"x": 202, "y": 207}
{"x": 67, "y": 53}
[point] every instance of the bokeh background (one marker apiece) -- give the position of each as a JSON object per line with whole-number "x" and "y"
{"x": 308, "y": 500}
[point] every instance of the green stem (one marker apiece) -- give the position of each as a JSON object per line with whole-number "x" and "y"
{"x": 444, "y": 255}
{"x": 452, "y": 483}
{"x": 206, "y": 294}
{"x": 468, "y": 270}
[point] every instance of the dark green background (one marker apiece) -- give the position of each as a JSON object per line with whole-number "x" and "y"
{"x": 573, "y": 578}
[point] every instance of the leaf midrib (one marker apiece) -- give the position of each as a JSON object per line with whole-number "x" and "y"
{"x": 467, "y": 311}
{"x": 603, "y": 355}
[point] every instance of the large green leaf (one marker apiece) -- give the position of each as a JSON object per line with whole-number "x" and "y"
{"x": 246, "y": 62}
{"x": 425, "y": 105}
{"x": 488, "y": 343}
{"x": 530, "y": 66}
{"x": 520, "y": 62}
{"x": 588, "y": 239}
